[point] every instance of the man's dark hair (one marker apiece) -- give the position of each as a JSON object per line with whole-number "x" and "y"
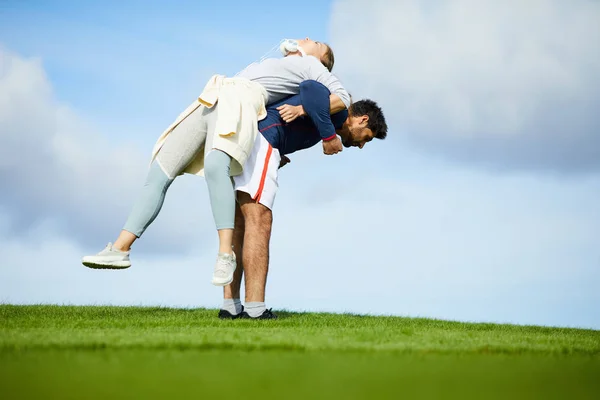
{"x": 328, "y": 59}
{"x": 376, "y": 121}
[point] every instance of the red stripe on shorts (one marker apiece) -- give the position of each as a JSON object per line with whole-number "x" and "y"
{"x": 264, "y": 175}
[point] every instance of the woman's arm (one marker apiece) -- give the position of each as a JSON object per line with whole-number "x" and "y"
{"x": 319, "y": 73}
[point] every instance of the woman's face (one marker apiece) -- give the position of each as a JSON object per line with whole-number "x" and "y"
{"x": 312, "y": 48}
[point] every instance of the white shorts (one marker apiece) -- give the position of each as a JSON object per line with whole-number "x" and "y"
{"x": 259, "y": 178}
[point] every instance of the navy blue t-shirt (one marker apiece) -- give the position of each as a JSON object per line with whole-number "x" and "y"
{"x": 306, "y": 131}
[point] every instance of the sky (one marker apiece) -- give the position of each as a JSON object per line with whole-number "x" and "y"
{"x": 481, "y": 205}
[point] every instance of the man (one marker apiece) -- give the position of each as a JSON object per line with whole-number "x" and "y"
{"x": 257, "y": 186}
{"x": 223, "y": 121}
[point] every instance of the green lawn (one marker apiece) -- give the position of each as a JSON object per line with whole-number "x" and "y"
{"x": 125, "y": 352}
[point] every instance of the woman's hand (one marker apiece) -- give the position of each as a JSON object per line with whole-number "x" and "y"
{"x": 290, "y": 113}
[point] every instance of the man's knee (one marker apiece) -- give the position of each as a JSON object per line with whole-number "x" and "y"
{"x": 256, "y": 216}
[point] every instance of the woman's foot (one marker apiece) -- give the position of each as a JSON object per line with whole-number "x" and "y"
{"x": 109, "y": 258}
{"x": 224, "y": 268}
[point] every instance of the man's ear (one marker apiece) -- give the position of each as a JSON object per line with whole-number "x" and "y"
{"x": 364, "y": 120}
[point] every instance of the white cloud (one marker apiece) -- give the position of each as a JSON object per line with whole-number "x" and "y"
{"x": 504, "y": 84}
{"x": 56, "y": 168}
{"x": 421, "y": 240}
{"x": 460, "y": 246}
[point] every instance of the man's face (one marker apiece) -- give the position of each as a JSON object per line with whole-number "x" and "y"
{"x": 357, "y": 133}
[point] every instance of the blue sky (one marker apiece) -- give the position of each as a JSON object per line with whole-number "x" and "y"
{"x": 105, "y": 56}
{"x": 481, "y": 205}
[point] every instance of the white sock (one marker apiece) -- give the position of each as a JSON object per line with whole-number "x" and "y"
{"x": 255, "y": 308}
{"x": 234, "y": 306}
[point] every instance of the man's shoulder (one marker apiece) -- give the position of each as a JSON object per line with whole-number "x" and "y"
{"x": 339, "y": 118}
{"x": 311, "y": 84}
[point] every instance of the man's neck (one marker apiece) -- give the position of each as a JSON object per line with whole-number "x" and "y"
{"x": 344, "y": 131}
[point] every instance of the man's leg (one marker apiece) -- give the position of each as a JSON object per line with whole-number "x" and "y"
{"x": 256, "y": 189}
{"x": 232, "y": 305}
{"x": 257, "y": 236}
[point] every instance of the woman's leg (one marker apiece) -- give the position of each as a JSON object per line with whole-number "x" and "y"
{"x": 222, "y": 200}
{"x": 147, "y": 207}
{"x": 179, "y": 149}
{"x": 222, "y": 196}
{"x": 145, "y": 210}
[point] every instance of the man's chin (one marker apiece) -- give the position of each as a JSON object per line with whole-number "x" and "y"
{"x": 347, "y": 145}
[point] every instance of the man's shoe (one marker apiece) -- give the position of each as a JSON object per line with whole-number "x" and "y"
{"x": 224, "y": 269}
{"x": 267, "y": 314}
{"x": 224, "y": 314}
{"x": 109, "y": 258}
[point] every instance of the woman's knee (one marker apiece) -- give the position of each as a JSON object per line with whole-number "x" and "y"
{"x": 157, "y": 177}
{"x": 216, "y": 163}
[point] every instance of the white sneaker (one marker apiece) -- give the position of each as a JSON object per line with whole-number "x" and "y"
{"x": 224, "y": 269}
{"x": 109, "y": 258}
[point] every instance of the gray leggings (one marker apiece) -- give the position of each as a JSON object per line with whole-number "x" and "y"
{"x": 179, "y": 149}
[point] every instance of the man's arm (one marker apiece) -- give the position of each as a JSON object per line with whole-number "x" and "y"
{"x": 314, "y": 103}
{"x": 290, "y": 113}
{"x": 314, "y": 98}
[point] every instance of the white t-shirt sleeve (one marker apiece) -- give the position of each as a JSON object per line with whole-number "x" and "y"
{"x": 317, "y": 72}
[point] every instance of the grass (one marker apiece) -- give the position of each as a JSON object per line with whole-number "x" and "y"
{"x": 143, "y": 352}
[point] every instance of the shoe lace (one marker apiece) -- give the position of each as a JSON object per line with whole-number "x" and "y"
{"x": 268, "y": 312}
{"x": 221, "y": 267}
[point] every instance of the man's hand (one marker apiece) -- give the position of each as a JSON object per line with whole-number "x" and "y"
{"x": 284, "y": 161}
{"x": 332, "y": 146}
{"x": 290, "y": 113}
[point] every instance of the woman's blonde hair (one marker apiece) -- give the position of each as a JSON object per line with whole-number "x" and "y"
{"x": 328, "y": 59}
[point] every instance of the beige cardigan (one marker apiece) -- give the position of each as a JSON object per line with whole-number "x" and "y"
{"x": 241, "y": 104}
